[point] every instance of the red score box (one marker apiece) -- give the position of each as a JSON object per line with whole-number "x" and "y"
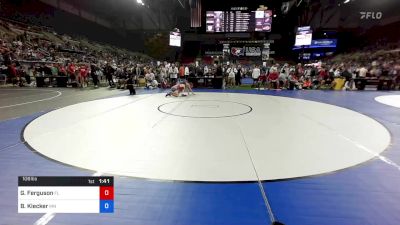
{"x": 106, "y": 193}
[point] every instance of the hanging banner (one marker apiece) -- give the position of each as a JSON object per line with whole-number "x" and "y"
{"x": 252, "y": 51}
{"x": 236, "y": 51}
{"x": 248, "y": 51}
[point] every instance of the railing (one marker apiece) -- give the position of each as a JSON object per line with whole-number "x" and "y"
{"x": 25, "y": 25}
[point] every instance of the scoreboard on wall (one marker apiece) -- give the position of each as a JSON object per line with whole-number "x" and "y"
{"x": 238, "y": 21}
{"x": 65, "y": 194}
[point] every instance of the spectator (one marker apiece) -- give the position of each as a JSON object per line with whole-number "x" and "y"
{"x": 238, "y": 76}
{"x": 129, "y": 84}
{"x": 187, "y": 72}
{"x": 206, "y": 71}
{"x": 12, "y": 73}
{"x": 273, "y": 79}
{"x": 109, "y": 72}
{"x": 94, "y": 73}
{"x": 231, "y": 75}
{"x": 362, "y": 72}
{"x": 173, "y": 73}
{"x": 255, "y": 74}
{"x": 181, "y": 71}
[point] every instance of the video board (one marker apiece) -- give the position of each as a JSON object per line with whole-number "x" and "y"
{"x": 238, "y": 21}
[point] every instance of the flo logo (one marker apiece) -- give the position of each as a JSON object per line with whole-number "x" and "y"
{"x": 371, "y": 15}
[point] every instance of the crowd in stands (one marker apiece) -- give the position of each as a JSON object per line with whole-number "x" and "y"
{"x": 334, "y": 74}
{"x": 28, "y": 53}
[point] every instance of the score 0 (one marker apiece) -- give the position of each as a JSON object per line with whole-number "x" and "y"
{"x": 106, "y": 197}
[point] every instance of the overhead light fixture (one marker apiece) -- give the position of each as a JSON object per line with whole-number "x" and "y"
{"x": 140, "y": 2}
{"x": 346, "y": 1}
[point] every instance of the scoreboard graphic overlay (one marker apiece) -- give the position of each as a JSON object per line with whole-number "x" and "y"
{"x": 65, "y": 194}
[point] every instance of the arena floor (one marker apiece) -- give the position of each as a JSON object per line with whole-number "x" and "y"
{"x": 218, "y": 157}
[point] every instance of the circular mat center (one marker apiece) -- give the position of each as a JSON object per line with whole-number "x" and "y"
{"x": 205, "y": 108}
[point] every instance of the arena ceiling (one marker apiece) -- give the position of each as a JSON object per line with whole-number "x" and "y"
{"x": 164, "y": 15}
{"x": 130, "y": 15}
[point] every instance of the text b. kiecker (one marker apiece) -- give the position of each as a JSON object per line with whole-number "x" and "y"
{"x": 37, "y": 206}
